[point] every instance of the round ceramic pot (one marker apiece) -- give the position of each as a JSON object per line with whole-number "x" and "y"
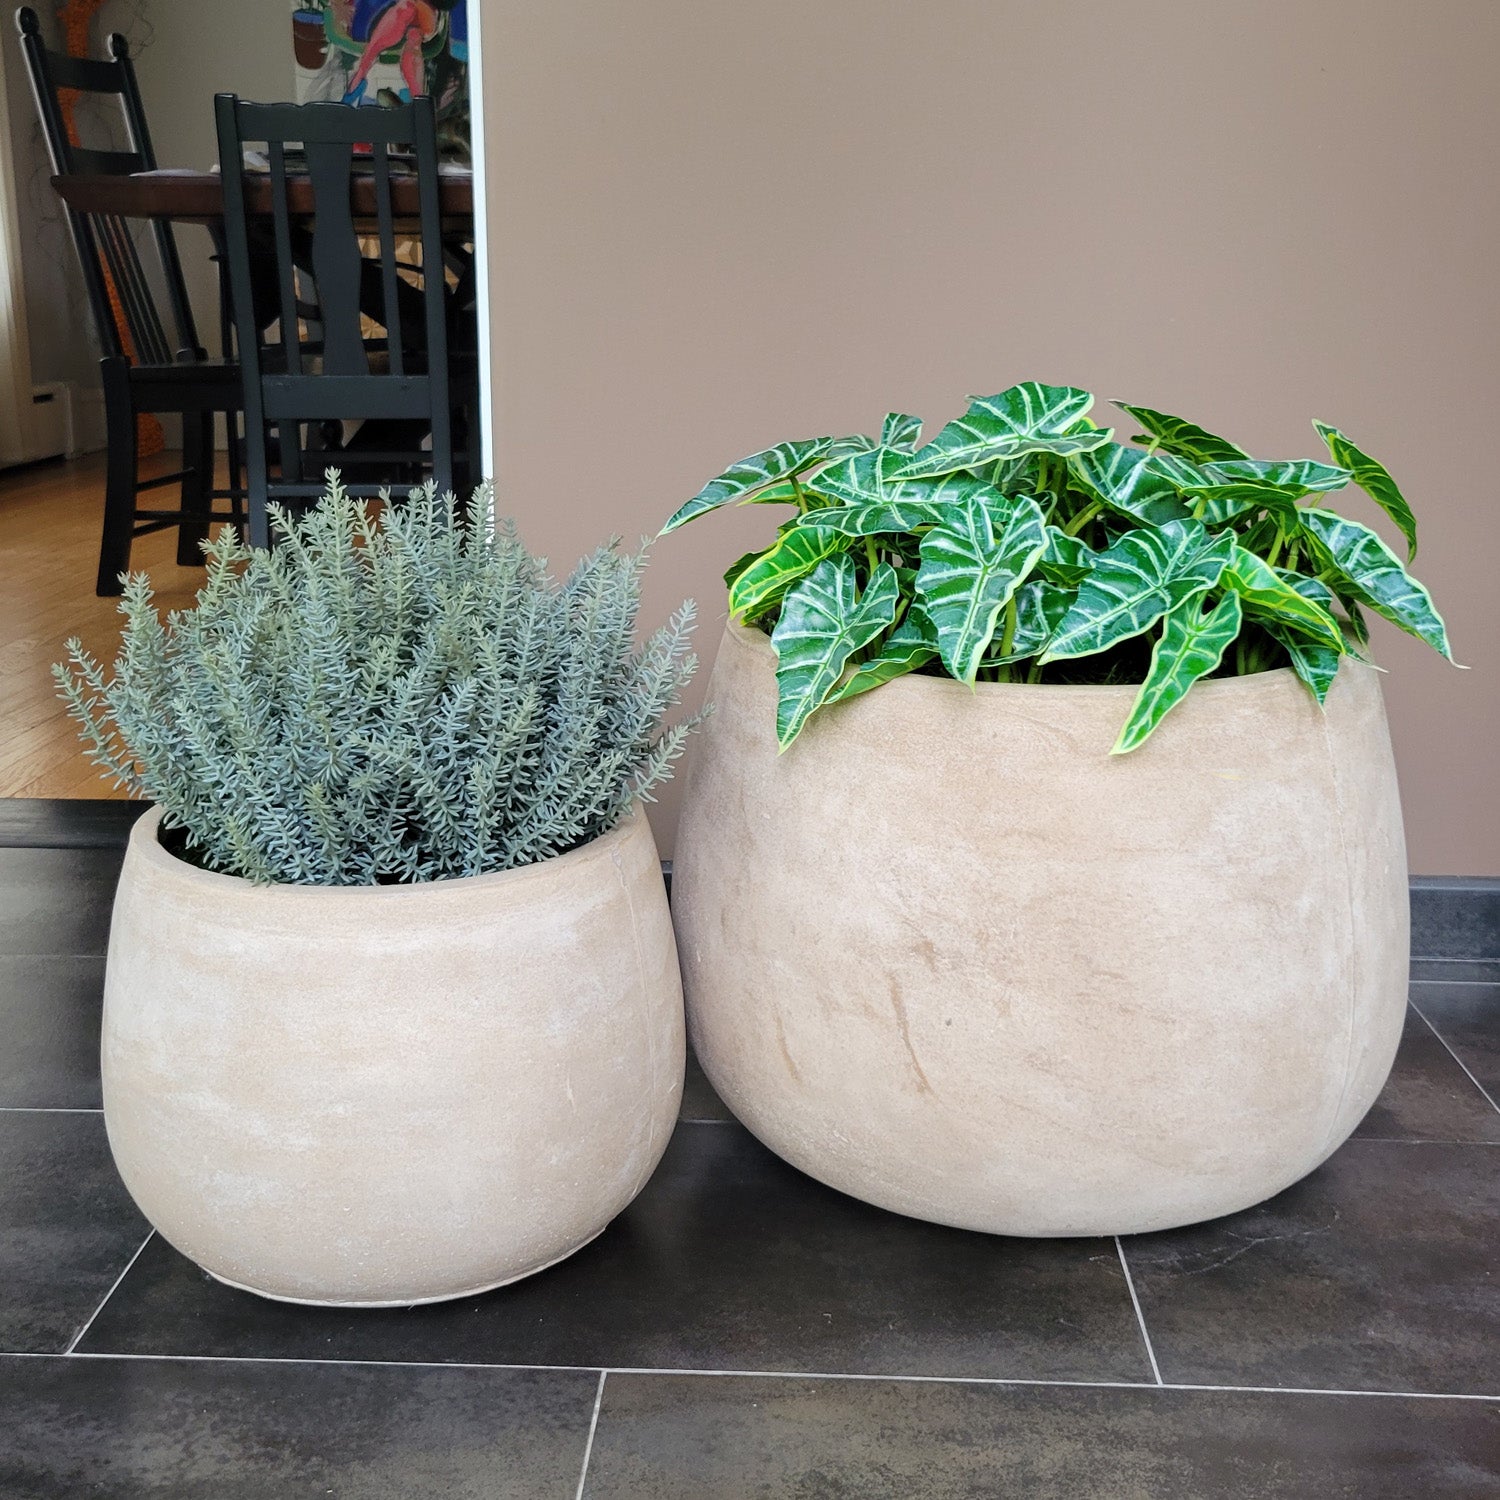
{"x": 949, "y": 955}
{"x": 385, "y": 1095}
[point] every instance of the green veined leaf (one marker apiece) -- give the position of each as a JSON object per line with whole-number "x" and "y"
{"x": 1027, "y": 418}
{"x": 900, "y": 431}
{"x": 967, "y": 575}
{"x": 1374, "y": 479}
{"x": 912, "y": 644}
{"x": 1040, "y": 607}
{"x": 1175, "y": 435}
{"x": 1359, "y": 627}
{"x": 1352, "y": 627}
{"x": 1217, "y": 504}
{"x": 1374, "y": 575}
{"x": 1222, "y": 491}
{"x": 1129, "y": 480}
{"x": 1135, "y": 582}
{"x": 739, "y": 565}
{"x": 794, "y": 554}
{"x": 824, "y": 621}
{"x": 1192, "y": 644}
{"x": 862, "y": 478}
{"x": 880, "y": 518}
{"x": 1310, "y": 588}
{"x": 1316, "y": 665}
{"x": 845, "y": 446}
{"x": 1266, "y": 595}
{"x": 742, "y": 480}
{"x": 1066, "y": 559}
{"x": 870, "y": 478}
{"x": 1012, "y": 476}
{"x": 1294, "y": 477}
{"x": 783, "y": 492}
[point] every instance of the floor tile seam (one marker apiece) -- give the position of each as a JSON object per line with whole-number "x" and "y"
{"x": 1484, "y": 1093}
{"x": 1027, "y": 1382}
{"x": 588, "y": 1447}
{"x": 45, "y": 1109}
{"x": 114, "y": 1287}
{"x": 1140, "y": 1316}
{"x": 1416, "y": 1140}
{"x": 1453, "y": 984}
{"x": 84, "y": 953}
{"x": 1449, "y": 958}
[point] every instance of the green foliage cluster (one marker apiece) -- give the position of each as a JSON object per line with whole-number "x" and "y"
{"x": 408, "y": 700}
{"x": 1023, "y": 543}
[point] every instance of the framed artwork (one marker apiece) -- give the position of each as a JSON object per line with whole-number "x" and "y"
{"x": 384, "y": 51}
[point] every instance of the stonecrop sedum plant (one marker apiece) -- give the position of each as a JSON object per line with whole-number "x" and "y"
{"x": 1024, "y": 543}
{"x": 375, "y": 702}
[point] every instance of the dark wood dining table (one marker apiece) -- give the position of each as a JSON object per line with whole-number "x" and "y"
{"x": 183, "y": 197}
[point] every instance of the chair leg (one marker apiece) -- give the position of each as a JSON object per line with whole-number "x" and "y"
{"x": 257, "y": 483}
{"x": 120, "y": 477}
{"x": 197, "y": 486}
{"x": 236, "y": 468}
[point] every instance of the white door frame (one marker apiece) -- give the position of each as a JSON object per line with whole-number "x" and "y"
{"x": 476, "y": 10}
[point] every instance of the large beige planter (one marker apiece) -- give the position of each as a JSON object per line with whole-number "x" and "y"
{"x": 392, "y": 1094}
{"x": 950, "y": 956}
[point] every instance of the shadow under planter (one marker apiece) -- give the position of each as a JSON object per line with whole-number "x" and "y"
{"x": 383, "y": 1095}
{"x": 949, "y": 955}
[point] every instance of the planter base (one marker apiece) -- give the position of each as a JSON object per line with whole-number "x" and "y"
{"x": 473, "y": 1291}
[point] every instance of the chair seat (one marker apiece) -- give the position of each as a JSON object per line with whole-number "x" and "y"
{"x": 201, "y": 385}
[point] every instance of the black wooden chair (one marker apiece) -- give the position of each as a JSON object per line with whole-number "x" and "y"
{"x": 140, "y": 369}
{"x": 319, "y": 372}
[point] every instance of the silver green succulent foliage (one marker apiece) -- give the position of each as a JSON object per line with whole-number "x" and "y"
{"x": 1023, "y": 543}
{"x": 370, "y": 702}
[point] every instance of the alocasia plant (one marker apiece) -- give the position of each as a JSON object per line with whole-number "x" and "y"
{"x": 1023, "y": 543}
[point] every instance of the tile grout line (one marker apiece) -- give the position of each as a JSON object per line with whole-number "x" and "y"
{"x": 44, "y": 1109}
{"x": 1140, "y": 1317}
{"x": 1441, "y": 958}
{"x": 1415, "y": 1140}
{"x": 588, "y": 1447}
{"x": 105, "y": 1355}
{"x": 1453, "y": 984}
{"x": 100, "y": 954}
{"x": 78, "y": 1337}
{"x": 1484, "y": 1093}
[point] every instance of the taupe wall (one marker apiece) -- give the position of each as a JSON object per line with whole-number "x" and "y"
{"x": 719, "y": 223}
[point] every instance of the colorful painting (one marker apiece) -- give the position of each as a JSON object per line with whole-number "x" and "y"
{"x": 384, "y": 52}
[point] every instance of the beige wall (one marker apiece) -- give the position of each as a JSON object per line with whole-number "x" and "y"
{"x": 720, "y": 223}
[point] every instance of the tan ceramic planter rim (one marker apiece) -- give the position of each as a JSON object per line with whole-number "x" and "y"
{"x": 147, "y": 846}
{"x": 747, "y": 637}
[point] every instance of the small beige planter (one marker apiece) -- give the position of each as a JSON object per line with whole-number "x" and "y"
{"x": 948, "y": 955}
{"x": 398, "y": 1094}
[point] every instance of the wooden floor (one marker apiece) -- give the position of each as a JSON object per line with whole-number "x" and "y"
{"x": 50, "y": 517}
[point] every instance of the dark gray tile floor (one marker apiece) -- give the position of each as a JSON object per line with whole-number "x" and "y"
{"x": 736, "y": 1438}
{"x": 179, "y": 1430}
{"x": 735, "y": 1333}
{"x": 49, "y": 1058}
{"x": 67, "y": 1227}
{"x": 56, "y": 901}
